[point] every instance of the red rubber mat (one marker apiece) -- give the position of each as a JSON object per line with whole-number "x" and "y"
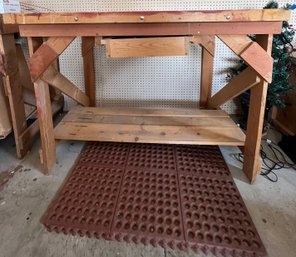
{"x": 167, "y": 195}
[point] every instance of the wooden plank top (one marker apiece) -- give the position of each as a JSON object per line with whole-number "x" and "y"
{"x": 264, "y": 15}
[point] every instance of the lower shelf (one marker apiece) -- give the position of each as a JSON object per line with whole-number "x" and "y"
{"x": 181, "y": 126}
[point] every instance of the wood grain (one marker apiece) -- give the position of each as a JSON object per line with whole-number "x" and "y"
{"x": 256, "y": 119}
{"x": 149, "y": 126}
{"x": 141, "y": 47}
{"x": 149, "y": 17}
{"x": 46, "y": 54}
{"x": 207, "y": 69}
{"x": 13, "y": 86}
{"x": 48, "y": 152}
{"x": 252, "y": 53}
{"x": 244, "y": 81}
{"x": 206, "y": 41}
{"x": 57, "y": 80}
{"x": 150, "y": 29}
{"x": 257, "y": 58}
{"x": 87, "y": 49}
{"x": 176, "y": 112}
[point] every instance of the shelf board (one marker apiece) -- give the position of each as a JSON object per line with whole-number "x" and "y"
{"x": 177, "y": 126}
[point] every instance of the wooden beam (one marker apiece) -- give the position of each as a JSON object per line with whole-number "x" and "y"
{"x": 57, "y": 80}
{"x": 23, "y": 69}
{"x": 29, "y": 135}
{"x": 13, "y": 86}
{"x": 189, "y": 113}
{"x": 251, "y": 53}
{"x": 34, "y": 44}
{"x": 141, "y": 47}
{"x": 44, "y": 112}
{"x": 48, "y": 152}
{"x": 256, "y": 119}
{"x": 206, "y": 41}
{"x": 207, "y": 68}
{"x": 244, "y": 81}
{"x": 87, "y": 48}
{"x": 46, "y": 54}
{"x": 257, "y": 58}
{"x": 150, "y": 29}
{"x": 237, "y": 43}
{"x": 149, "y": 17}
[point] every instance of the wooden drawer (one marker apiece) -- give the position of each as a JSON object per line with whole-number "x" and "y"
{"x": 141, "y": 47}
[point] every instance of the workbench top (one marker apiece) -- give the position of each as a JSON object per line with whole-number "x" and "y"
{"x": 149, "y": 17}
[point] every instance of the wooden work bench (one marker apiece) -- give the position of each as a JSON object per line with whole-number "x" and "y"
{"x": 153, "y": 34}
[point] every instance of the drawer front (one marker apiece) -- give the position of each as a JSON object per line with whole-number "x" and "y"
{"x": 141, "y": 47}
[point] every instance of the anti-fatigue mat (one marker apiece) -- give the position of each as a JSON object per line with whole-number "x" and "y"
{"x": 167, "y": 195}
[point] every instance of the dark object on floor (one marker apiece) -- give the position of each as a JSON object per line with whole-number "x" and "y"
{"x": 245, "y": 104}
{"x": 288, "y": 145}
{"x": 167, "y": 195}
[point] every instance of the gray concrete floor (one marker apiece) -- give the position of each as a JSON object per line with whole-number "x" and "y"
{"x": 25, "y": 197}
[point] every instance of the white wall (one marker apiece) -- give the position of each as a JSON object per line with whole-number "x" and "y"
{"x": 154, "y": 81}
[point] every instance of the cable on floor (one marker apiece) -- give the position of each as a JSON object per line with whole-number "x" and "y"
{"x": 270, "y": 165}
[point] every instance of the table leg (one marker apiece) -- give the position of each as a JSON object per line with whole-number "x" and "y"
{"x": 252, "y": 162}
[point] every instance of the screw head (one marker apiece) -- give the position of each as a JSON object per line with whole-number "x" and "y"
{"x": 76, "y": 19}
{"x": 142, "y": 18}
{"x": 228, "y": 17}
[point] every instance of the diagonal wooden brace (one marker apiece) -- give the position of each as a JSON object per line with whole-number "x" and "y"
{"x": 244, "y": 81}
{"x": 46, "y": 54}
{"x": 57, "y": 80}
{"x": 252, "y": 53}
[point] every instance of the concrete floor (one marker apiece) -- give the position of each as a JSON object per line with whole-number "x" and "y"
{"x": 27, "y": 193}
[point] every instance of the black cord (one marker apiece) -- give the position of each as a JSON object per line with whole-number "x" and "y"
{"x": 269, "y": 165}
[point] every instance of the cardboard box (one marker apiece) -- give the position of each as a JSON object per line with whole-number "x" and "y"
{"x": 10, "y": 6}
{"x": 5, "y": 124}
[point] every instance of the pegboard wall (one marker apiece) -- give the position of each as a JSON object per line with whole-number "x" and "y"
{"x": 156, "y": 82}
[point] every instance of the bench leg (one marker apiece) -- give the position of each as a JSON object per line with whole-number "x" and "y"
{"x": 252, "y": 163}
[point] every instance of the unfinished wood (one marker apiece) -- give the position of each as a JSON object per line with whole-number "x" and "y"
{"x": 257, "y": 58}
{"x": 34, "y": 44}
{"x": 237, "y": 43}
{"x": 149, "y": 17}
{"x": 87, "y": 49}
{"x": 29, "y": 135}
{"x": 191, "y": 113}
{"x": 207, "y": 68}
{"x": 13, "y": 86}
{"x": 23, "y": 69}
{"x": 48, "y": 152}
{"x": 256, "y": 119}
{"x": 206, "y": 41}
{"x": 7, "y": 28}
{"x": 252, "y": 53}
{"x": 57, "y": 80}
{"x": 46, "y": 54}
{"x": 203, "y": 118}
{"x": 151, "y": 29}
{"x": 149, "y": 126}
{"x": 150, "y": 134}
{"x": 244, "y": 81}
{"x": 141, "y": 47}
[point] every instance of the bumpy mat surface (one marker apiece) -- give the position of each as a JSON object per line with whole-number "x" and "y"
{"x": 168, "y": 195}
